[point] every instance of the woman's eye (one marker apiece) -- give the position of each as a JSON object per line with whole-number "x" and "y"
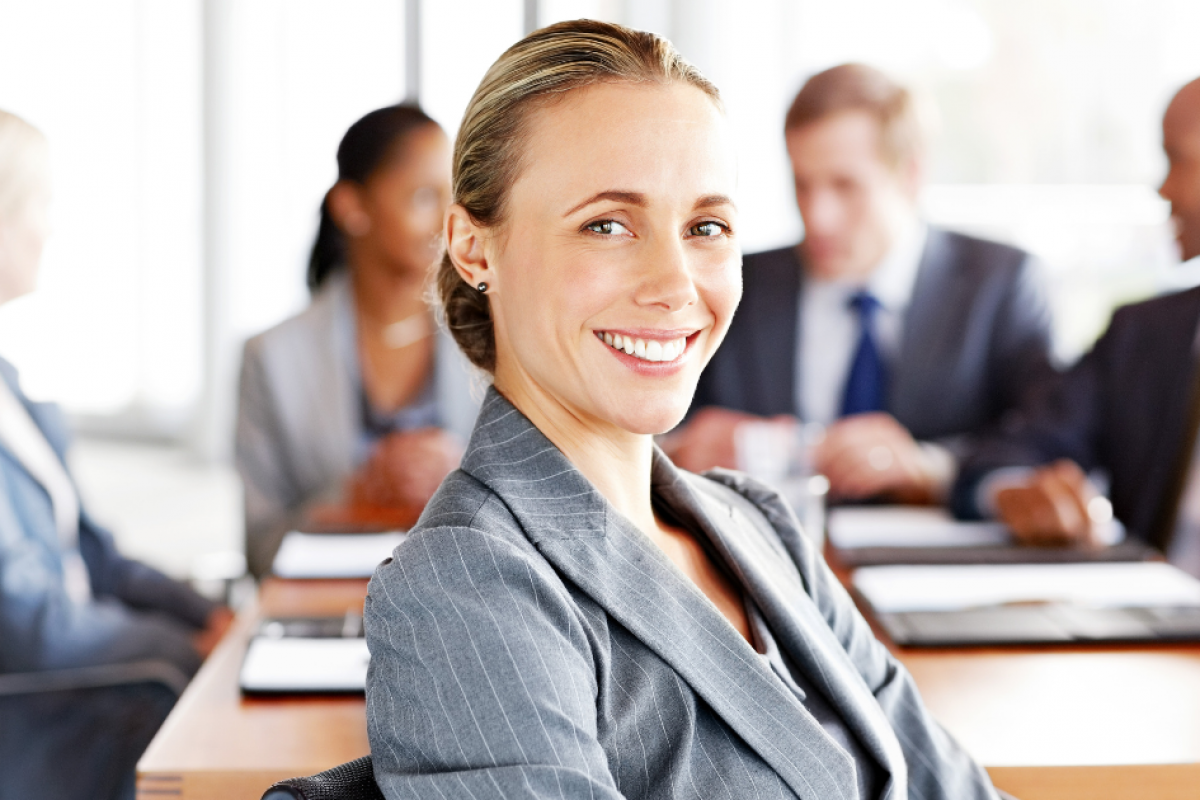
{"x": 705, "y": 229}
{"x": 606, "y": 227}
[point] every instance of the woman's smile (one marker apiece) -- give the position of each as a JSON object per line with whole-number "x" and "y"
{"x": 648, "y": 347}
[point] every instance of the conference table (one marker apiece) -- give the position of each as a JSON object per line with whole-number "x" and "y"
{"x": 1049, "y": 723}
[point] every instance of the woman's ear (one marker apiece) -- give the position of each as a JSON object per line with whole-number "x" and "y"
{"x": 345, "y": 204}
{"x": 464, "y": 244}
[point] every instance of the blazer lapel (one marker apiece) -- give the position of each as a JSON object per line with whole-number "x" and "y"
{"x": 771, "y": 578}
{"x": 599, "y": 551}
{"x": 924, "y": 354}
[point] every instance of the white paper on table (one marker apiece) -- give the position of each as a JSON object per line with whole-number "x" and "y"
{"x": 333, "y": 555}
{"x": 305, "y": 665}
{"x": 909, "y": 526}
{"x": 891, "y": 589}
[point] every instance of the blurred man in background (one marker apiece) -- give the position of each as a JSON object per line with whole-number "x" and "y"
{"x": 896, "y": 335}
{"x": 1130, "y": 407}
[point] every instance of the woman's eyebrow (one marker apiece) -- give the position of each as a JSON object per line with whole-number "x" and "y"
{"x": 616, "y": 195}
{"x": 710, "y": 200}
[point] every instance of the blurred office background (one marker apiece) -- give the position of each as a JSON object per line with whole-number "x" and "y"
{"x": 192, "y": 141}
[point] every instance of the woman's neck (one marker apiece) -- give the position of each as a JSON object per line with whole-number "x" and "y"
{"x": 383, "y": 296}
{"x": 615, "y": 461}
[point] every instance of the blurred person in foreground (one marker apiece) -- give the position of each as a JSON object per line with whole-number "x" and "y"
{"x": 359, "y": 401}
{"x": 73, "y": 612}
{"x": 898, "y": 336}
{"x": 574, "y": 616}
{"x": 1129, "y": 408}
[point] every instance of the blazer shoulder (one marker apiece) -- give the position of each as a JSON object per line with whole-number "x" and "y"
{"x": 1174, "y": 306}
{"x": 467, "y": 512}
{"x": 312, "y": 326}
{"x": 974, "y": 254}
{"x": 467, "y": 559}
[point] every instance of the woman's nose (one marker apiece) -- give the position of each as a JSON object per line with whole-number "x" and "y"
{"x": 666, "y": 276}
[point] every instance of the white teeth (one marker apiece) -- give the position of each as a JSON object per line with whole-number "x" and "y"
{"x": 653, "y": 350}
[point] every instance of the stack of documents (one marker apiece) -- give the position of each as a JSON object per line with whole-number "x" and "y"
{"x": 1014, "y": 603}
{"x": 333, "y": 555}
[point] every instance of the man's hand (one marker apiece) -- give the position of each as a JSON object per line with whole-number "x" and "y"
{"x": 708, "y": 440}
{"x": 406, "y": 468}
{"x": 872, "y": 455}
{"x": 1051, "y": 507}
{"x": 214, "y": 629}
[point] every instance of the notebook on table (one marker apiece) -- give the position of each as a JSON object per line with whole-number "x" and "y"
{"x": 996, "y": 604}
{"x": 869, "y": 535}
{"x": 333, "y": 555}
{"x": 306, "y": 655}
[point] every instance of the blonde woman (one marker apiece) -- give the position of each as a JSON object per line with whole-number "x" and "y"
{"x": 94, "y": 647}
{"x": 574, "y": 616}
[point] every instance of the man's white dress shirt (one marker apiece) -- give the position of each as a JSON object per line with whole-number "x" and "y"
{"x": 829, "y": 328}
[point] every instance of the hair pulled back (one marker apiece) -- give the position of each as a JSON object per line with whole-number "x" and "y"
{"x": 367, "y": 144}
{"x": 489, "y": 147}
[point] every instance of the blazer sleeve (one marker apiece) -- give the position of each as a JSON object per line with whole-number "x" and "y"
{"x": 41, "y": 627}
{"x": 1022, "y": 338}
{"x": 481, "y": 682}
{"x": 1061, "y": 418}
{"x": 271, "y": 494}
{"x": 938, "y": 767}
{"x": 135, "y": 584}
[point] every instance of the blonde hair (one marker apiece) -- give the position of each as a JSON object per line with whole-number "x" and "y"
{"x": 24, "y": 163}
{"x": 489, "y": 148}
{"x": 858, "y": 87}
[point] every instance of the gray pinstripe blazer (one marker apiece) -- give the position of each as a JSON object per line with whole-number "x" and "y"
{"x": 528, "y": 641}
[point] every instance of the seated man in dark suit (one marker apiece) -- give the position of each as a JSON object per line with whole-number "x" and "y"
{"x": 1129, "y": 407}
{"x": 896, "y": 335}
{"x": 94, "y": 647}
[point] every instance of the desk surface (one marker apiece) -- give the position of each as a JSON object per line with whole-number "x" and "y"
{"x": 217, "y": 744}
{"x": 1066, "y": 722}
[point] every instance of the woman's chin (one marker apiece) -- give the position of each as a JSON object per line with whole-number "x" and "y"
{"x": 651, "y": 421}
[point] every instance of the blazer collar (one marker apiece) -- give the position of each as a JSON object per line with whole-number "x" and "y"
{"x": 602, "y": 553}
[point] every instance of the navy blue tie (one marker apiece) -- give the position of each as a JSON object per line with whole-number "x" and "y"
{"x": 866, "y": 384}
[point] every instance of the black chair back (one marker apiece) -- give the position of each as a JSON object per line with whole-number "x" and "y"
{"x": 354, "y": 780}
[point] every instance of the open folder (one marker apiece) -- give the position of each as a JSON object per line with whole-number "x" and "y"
{"x": 976, "y": 604}
{"x": 306, "y": 655}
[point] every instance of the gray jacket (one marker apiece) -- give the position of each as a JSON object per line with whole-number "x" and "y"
{"x": 528, "y": 641}
{"x": 300, "y": 413}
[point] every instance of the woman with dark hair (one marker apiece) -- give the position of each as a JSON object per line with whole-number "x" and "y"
{"x": 358, "y": 401}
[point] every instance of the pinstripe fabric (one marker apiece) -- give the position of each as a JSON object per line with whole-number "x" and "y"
{"x": 528, "y": 641}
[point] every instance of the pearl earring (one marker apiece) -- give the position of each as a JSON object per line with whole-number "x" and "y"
{"x": 482, "y": 287}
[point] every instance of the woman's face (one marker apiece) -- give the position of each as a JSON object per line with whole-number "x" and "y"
{"x": 22, "y": 237}
{"x": 404, "y": 201}
{"x": 616, "y": 272}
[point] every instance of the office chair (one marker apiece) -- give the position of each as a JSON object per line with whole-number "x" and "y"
{"x": 354, "y": 780}
{"x": 96, "y": 720}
